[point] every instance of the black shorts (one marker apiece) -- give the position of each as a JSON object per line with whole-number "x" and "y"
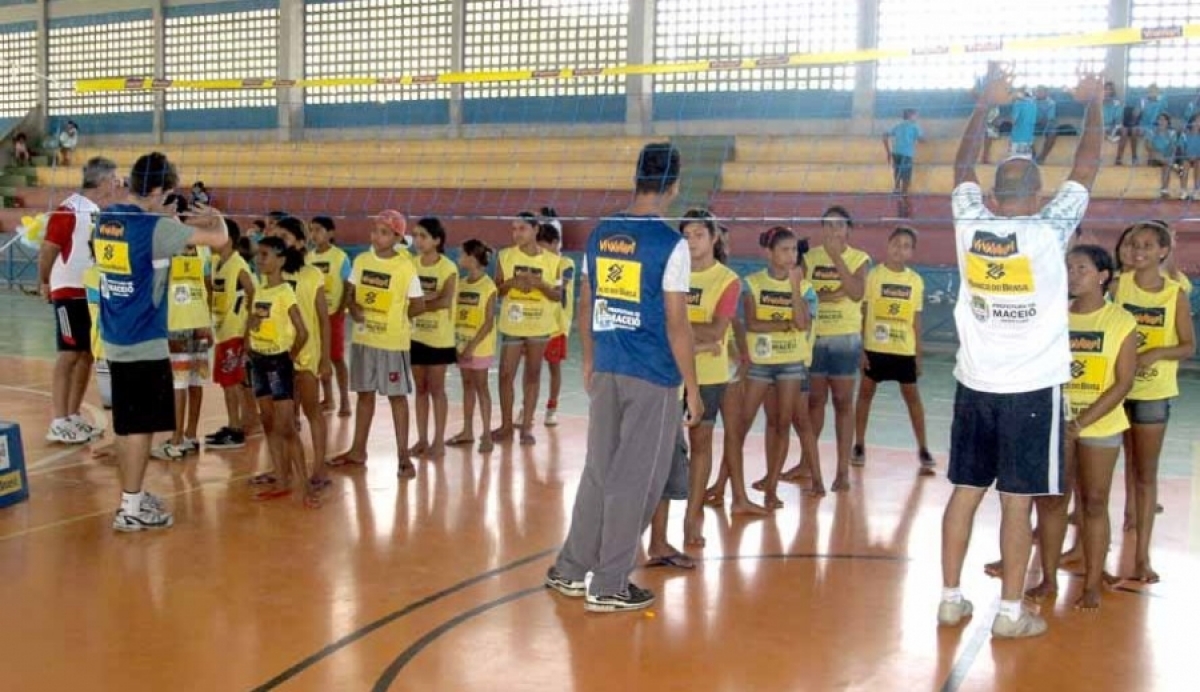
{"x": 423, "y": 354}
{"x": 73, "y": 325}
{"x": 1012, "y": 440}
{"x": 274, "y": 377}
{"x": 889, "y": 367}
{"x": 143, "y": 397}
{"x": 711, "y": 395}
{"x": 902, "y": 167}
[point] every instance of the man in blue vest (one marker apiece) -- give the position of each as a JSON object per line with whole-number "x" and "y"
{"x": 133, "y": 243}
{"x": 637, "y": 351}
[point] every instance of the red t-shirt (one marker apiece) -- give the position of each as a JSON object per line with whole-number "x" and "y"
{"x": 60, "y": 230}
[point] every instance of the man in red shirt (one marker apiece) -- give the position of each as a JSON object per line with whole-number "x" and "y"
{"x": 64, "y": 257}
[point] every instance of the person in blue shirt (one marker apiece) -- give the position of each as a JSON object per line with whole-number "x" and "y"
{"x": 1144, "y": 118}
{"x": 1192, "y": 108}
{"x": 1113, "y": 112}
{"x": 1189, "y": 155}
{"x": 1162, "y": 147}
{"x": 637, "y": 351}
{"x": 900, "y": 143}
{"x": 134, "y": 242}
{"x": 1024, "y": 124}
{"x": 1046, "y": 123}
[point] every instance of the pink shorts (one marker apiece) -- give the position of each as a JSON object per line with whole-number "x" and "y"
{"x": 476, "y": 363}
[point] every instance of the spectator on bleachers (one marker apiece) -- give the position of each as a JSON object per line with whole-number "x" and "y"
{"x": 1024, "y": 124}
{"x": 1114, "y": 113}
{"x": 1046, "y": 123}
{"x": 900, "y": 143}
{"x": 1144, "y": 118}
{"x": 1189, "y": 155}
{"x": 21, "y": 155}
{"x": 68, "y": 139}
{"x": 1192, "y": 108}
{"x": 1162, "y": 145}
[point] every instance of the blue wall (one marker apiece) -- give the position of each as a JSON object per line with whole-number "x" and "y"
{"x": 390, "y": 114}
{"x": 544, "y": 109}
{"x": 769, "y": 105}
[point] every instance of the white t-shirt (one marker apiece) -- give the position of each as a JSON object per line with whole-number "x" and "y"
{"x": 1012, "y": 298}
{"x": 677, "y": 278}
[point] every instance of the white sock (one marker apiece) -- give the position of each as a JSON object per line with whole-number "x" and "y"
{"x": 1011, "y": 609}
{"x": 952, "y": 595}
{"x": 131, "y": 503}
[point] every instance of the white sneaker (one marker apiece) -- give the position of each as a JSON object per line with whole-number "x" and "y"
{"x": 950, "y": 613}
{"x": 147, "y": 519}
{"x": 1028, "y": 625}
{"x": 551, "y": 418}
{"x": 167, "y": 452}
{"x": 1184, "y": 196}
{"x": 65, "y": 432}
{"x": 153, "y": 502}
{"x": 190, "y": 446}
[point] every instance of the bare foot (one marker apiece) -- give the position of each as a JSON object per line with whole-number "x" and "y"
{"x": 1130, "y": 523}
{"x": 994, "y": 569}
{"x": 1042, "y": 592}
{"x": 407, "y": 470}
{"x": 714, "y": 496}
{"x": 345, "y": 459}
{"x": 463, "y": 439}
{"x": 817, "y": 489}
{"x": 693, "y": 533}
{"x": 759, "y": 484}
{"x": 772, "y": 502}
{"x": 1146, "y": 575}
{"x": 1109, "y": 580}
{"x": 438, "y": 451}
{"x": 797, "y": 474}
{"x": 344, "y": 411}
{"x": 841, "y": 483}
{"x": 746, "y": 508}
{"x": 328, "y": 406}
{"x": 502, "y": 434}
{"x": 419, "y": 449}
{"x": 1089, "y": 601}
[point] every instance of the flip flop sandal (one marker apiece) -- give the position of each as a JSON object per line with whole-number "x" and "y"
{"x": 264, "y": 479}
{"x": 319, "y": 484}
{"x": 272, "y": 494}
{"x": 528, "y": 440}
{"x": 343, "y": 460}
{"x": 460, "y": 441}
{"x": 676, "y": 560}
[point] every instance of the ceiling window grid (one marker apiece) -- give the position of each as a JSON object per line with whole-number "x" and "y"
{"x": 118, "y": 49}
{"x": 230, "y": 45}
{"x": 18, "y": 78}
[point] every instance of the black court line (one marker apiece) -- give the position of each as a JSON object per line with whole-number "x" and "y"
{"x": 392, "y": 617}
{"x": 389, "y": 674}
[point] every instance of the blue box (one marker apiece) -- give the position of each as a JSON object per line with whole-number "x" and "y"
{"x": 14, "y": 484}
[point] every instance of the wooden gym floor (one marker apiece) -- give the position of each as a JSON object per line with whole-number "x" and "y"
{"x": 435, "y": 584}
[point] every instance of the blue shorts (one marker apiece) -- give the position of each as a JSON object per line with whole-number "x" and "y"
{"x": 902, "y": 167}
{"x": 837, "y": 356}
{"x": 779, "y": 372}
{"x": 1148, "y": 412}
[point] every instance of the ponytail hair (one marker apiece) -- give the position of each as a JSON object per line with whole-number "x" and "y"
{"x": 775, "y": 235}
{"x": 479, "y": 250}
{"x": 721, "y": 247}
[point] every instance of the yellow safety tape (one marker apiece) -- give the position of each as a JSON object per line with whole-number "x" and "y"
{"x": 1112, "y": 37}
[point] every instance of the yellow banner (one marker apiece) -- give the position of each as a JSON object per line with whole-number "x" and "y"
{"x": 1112, "y": 37}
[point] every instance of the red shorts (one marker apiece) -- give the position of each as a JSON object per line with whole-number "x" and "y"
{"x": 556, "y": 350}
{"x": 337, "y": 337}
{"x": 230, "y": 367}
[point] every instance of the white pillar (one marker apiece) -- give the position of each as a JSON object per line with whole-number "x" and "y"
{"x": 160, "y": 70}
{"x": 291, "y": 67}
{"x": 42, "y": 62}
{"x": 458, "y": 61}
{"x": 639, "y": 89}
{"x": 863, "y": 108}
{"x": 1116, "y": 63}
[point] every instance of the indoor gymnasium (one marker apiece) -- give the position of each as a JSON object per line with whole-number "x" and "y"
{"x": 587, "y": 345}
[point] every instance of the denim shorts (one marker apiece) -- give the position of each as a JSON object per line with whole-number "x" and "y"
{"x": 711, "y": 395}
{"x": 837, "y": 356}
{"x": 1156, "y": 412}
{"x": 1105, "y": 442}
{"x": 678, "y": 480}
{"x": 779, "y": 372}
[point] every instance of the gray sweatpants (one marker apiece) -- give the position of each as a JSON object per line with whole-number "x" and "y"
{"x": 632, "y": 429}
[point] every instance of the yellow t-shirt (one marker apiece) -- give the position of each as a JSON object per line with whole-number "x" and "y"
{"x": 566, "y": 308}
{"x": 471, "y": 314}
{"x": 705, "y": 291}
{"x": 839, "y": 317}
{"x": 272, "y": 331}
{"x": 308, "y": 283}
{"x": 1155, "y": 317}
{"x": 1096, "y": 340}
{"x": 893, "y": 300}
{"x": 334, "y": 263}
{"x": 187, "y": 295}
{"x": 436, "y": 328}
{"x": 528, "y": 313}
{"x": 91, "y": 285}
{"x": 228, "y": 298}
{"x": 772, "y": 300}
{"x": 381, "y": 289}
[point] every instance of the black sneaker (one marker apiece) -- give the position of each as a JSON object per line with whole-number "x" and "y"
{"x": 232, "y": 439}
{"x": 210, "y": 439}
{"x": 858, "y": 456}
{"x": 566, "y": 587}
{"x": 632, "y": 597}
